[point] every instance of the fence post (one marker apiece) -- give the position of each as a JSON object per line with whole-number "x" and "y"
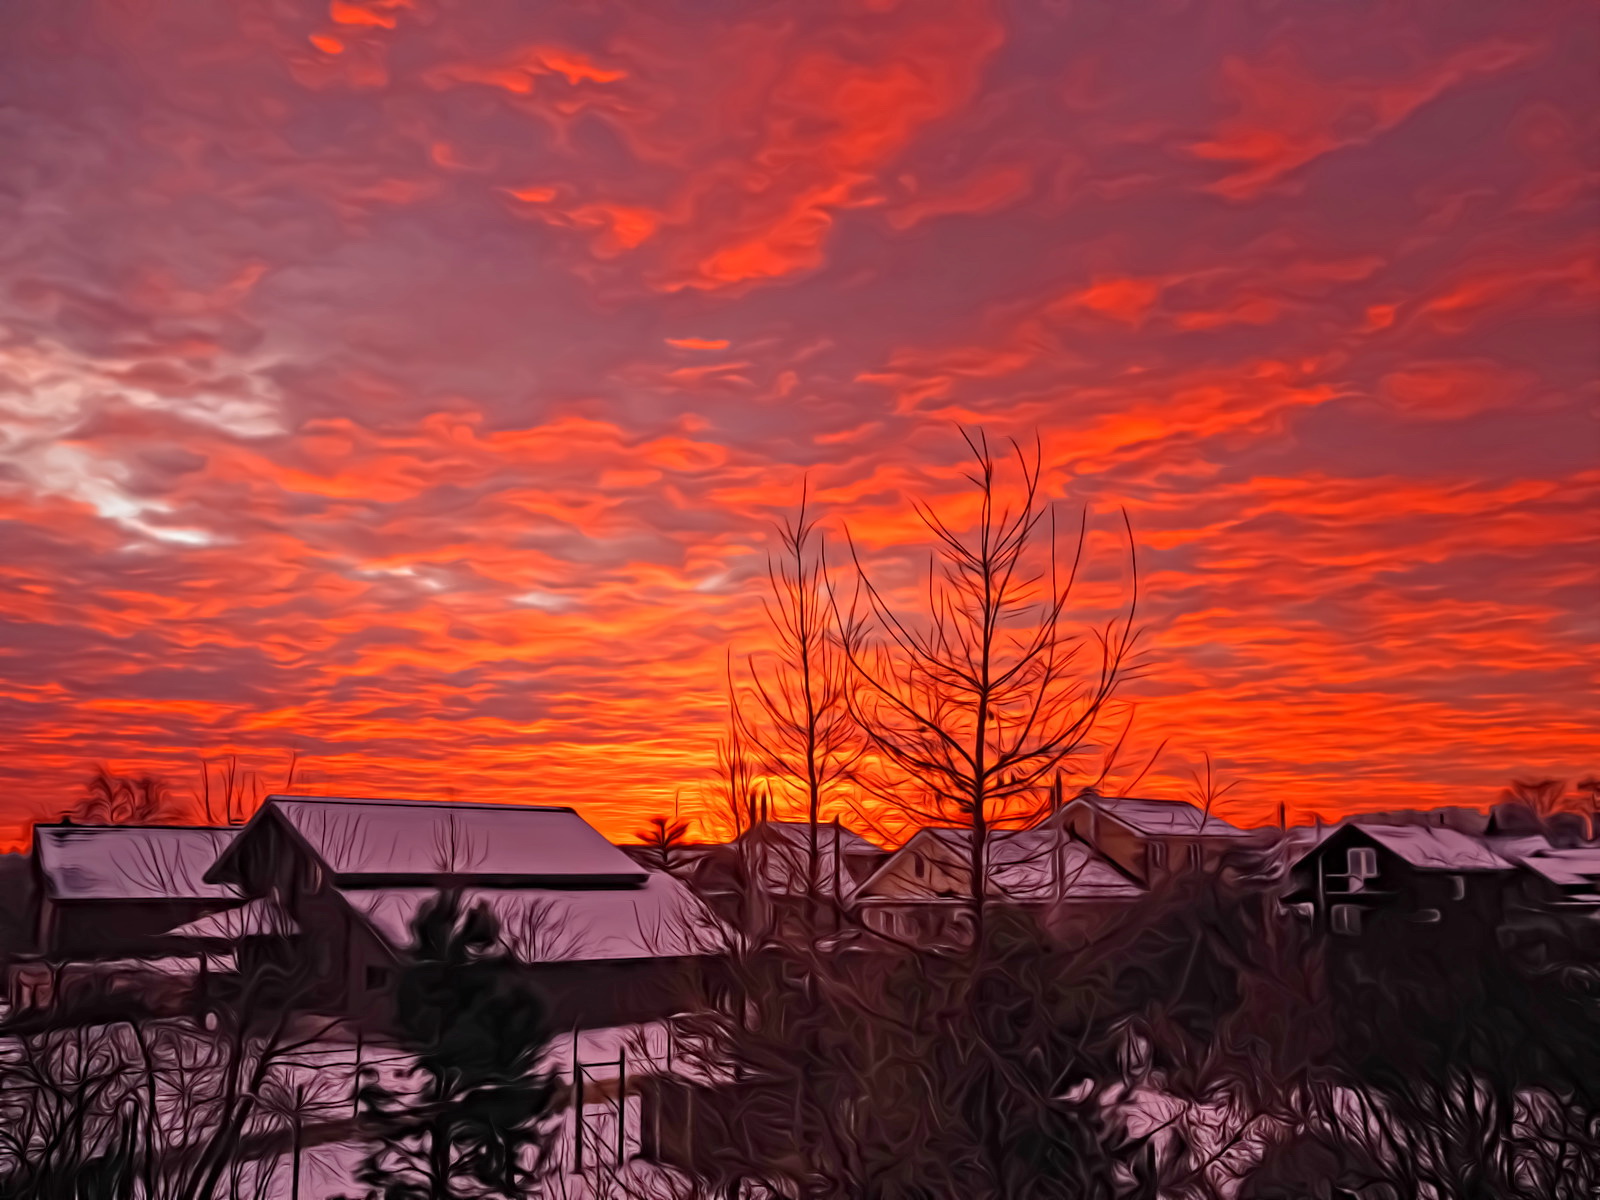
{"x": 577, "y": 1107}
{"x": 355, "y": 1079}
{"x": 622, "y": 1105}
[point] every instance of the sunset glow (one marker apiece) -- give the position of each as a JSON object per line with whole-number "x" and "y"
{"x": 413, "y": 385}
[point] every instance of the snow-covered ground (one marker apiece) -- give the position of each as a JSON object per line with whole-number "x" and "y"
{"x": 319, "y": 1083}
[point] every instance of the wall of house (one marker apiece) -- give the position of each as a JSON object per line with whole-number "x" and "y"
{"x": 1399, "y": 894}
{"x": 1113, "y": 839}
{"x": 18, "y": 921}
{"x": 117, "y": 928}
{"x": 272, "y": 863}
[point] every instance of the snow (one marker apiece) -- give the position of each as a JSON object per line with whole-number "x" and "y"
{"x": 355, "y": 837}
{"x": 261, "y": 917}
{"x": 131, "y": 862}
{"x": 661, "y": 919}
{"x": 1435, "y": 848}
{"x": 1161, "y": 818}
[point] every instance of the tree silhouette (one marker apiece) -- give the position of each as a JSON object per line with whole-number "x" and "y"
{"x": 971, "y": 706}
{"x": 112, "y": 799}
{"x": 475, "y": 1127}
{"x": 664, "y": 839}
{"x": 796, "y": 712}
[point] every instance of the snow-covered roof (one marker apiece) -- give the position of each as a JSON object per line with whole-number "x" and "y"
{"x": 1565, "y": 868}
{"x": 1024, "y": 864}
{"x": 397, "y": 840}
{"x": 131, "y": 862}
{"x": 261, "y": 917}
{"x": 1433, "y": 848}
{"x": 1161, "y": 818}
{"x": 662, "y": 919}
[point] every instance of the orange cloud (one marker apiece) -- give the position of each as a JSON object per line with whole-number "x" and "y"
{"x": 1287, "y": 117}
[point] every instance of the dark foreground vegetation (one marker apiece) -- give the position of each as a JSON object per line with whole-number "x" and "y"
{"x": 1203, "y": 1046}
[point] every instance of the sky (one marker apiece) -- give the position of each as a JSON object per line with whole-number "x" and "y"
{"x": 412, "y": 385}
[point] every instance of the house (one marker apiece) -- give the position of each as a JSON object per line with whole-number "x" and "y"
{"x": 1365, "y": 876}
{"x": 1150, "y": 839}
{"x": 763, "y": 877}
{"x": 115, "y": 891}
{"x": 923, "y": 892}
{"x": 1567, "y": 877}
{"x": 335, "y": 884}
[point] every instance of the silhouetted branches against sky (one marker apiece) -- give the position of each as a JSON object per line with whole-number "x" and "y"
{"x": 970, "y": 706}
{"x": 794, "y": 707}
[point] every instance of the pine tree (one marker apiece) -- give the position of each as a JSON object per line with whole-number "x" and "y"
{"x": 477, "y": 1125}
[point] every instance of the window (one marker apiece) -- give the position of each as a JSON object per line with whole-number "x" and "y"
{"x": 1458, "y": 887}
{"x": 1158, "y": 854}
{"x": 1362, "y": 862}
{"x": 918, "y": 867}
{"x": 377, "y": 977}
{"x": 1346, "y": 919}
{"x": 1194, "y": 855}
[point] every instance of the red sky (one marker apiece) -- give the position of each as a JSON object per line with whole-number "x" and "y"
{"x": 413, "y": 383}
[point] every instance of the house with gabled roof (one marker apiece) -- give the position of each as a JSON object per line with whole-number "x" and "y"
{"x": 763, "y": 877}
{"x": 342, "y": 879}
{"x": 1365, "y": 875}
{"x": 923, "y": 892}
{"x": 1150, "y": 839}
{"x": 116, "y": 891}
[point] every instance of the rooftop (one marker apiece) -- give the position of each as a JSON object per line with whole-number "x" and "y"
{"x": 402, "y": 839}
{"x": 1430, "y": 847}
{"x": 662, "y": 919}
{"x": 1161, "y": 818}
{"x": 131, "y": 862}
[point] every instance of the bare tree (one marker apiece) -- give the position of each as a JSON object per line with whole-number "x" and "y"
{"x": 1544, "y": 797}
{"x": 969, "y": 708}
{"x": 796, "y": 716}
{"x": 664, "y": 839}
{"x": 112, "y": 799}
{"x": 1208, "y": 790}
{"x": 232, "y": 793}
{"x": 733, "y": 797}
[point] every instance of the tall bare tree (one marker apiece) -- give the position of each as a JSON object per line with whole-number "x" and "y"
{"x": 795, "y": 710}
{"x": 970, "y": 706}
{"x": 733, "y": 800}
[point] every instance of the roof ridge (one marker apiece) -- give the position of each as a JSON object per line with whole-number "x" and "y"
{"x": 401, "y": 802}
{"x": 152, "y": 825}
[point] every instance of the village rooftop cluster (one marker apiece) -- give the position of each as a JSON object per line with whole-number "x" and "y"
{"x": 343, "y": 878}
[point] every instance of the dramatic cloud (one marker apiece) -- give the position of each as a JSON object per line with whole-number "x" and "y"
{"x": 412, "y": 384}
